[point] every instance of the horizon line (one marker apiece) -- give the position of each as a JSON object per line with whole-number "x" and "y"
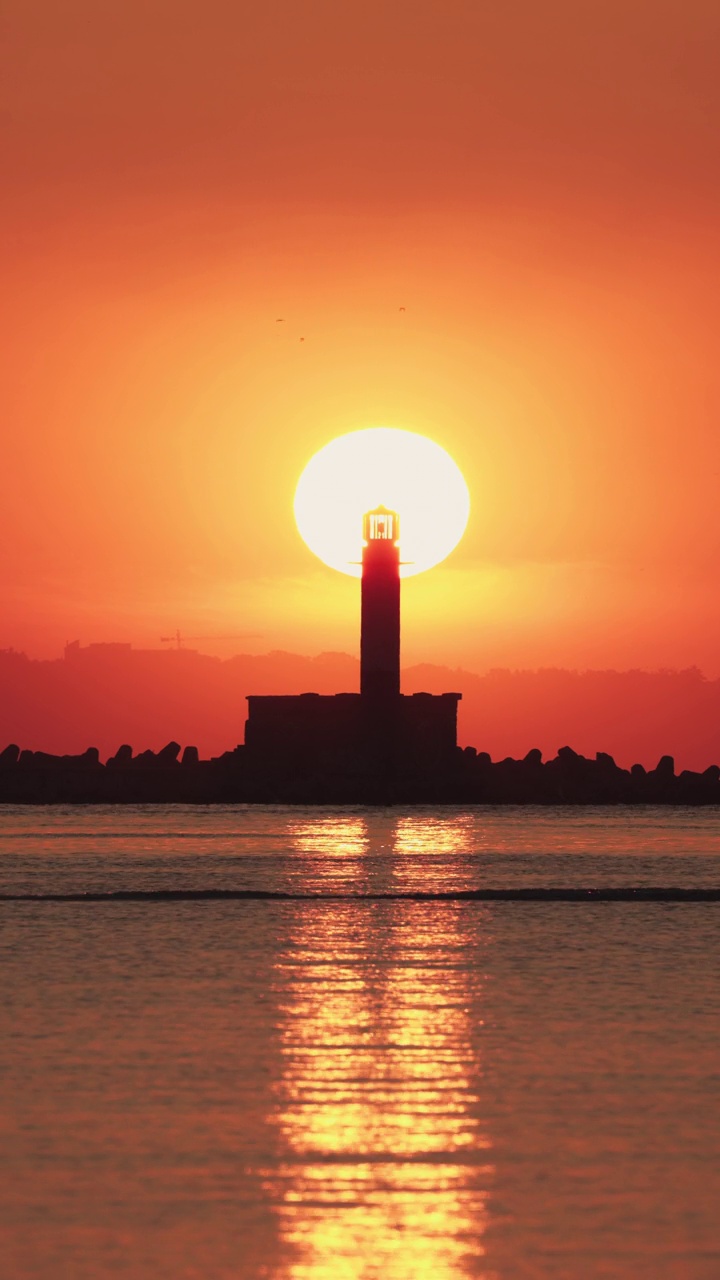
{"x": 128, "y": 647}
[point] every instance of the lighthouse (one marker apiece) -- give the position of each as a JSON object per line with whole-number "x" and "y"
{"x": 380, "y": 606}
{"x": 329, "y": 745}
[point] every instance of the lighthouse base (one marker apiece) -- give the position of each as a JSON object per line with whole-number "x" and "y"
{"x": 351, "y": 733}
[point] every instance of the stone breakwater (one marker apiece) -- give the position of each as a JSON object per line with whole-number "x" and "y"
{"x": 174, "y": 776}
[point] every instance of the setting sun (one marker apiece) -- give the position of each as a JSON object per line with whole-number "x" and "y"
{"x": 382, "y": 466}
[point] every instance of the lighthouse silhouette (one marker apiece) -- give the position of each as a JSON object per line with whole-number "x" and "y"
{"x": 374, "y": 744}
{"x": 380, "y": 606}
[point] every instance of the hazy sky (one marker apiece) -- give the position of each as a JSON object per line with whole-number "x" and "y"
{"x": 536, "y": 183}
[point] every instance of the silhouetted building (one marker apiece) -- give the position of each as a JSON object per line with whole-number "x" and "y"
{"x": 417, "y": 728}
{"x": 378, "y": 730}
{"x": 380, "y": 606}
{"x": 75, "y": 652}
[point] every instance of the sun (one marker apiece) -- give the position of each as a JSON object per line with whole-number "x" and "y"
{"x": 384, "y": 466}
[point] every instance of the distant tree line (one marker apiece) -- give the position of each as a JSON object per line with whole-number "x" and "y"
{"x": 104, "y": 696}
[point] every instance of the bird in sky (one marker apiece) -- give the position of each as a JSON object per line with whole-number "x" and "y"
{"x": 401, "y": 308}
{"x": 280, "y": 320}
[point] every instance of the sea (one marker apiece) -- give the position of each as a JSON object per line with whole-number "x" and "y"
{"x": 373, "y": 1078}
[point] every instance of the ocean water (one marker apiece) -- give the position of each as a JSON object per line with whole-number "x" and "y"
{"x": 352, "y": 1087}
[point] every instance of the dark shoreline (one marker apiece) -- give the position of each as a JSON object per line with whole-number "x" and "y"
{"x": 240, "y": 777}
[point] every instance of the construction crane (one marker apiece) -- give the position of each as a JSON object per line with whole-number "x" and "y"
{"x": 179, "y": 640}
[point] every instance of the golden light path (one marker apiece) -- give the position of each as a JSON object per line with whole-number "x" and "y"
{"x": 388, "y": 1167}
{"x": 385, "y": 466}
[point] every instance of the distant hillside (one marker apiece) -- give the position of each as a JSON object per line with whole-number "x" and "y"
{"x": 104, "y": 695}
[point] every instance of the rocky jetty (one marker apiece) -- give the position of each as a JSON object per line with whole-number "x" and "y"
{"x": 173, "y": 775}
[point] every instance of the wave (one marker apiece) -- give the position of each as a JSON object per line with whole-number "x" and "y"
{"x": 639, "y": 893}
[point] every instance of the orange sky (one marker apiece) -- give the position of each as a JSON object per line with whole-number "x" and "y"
{"x": 536, "y": 183}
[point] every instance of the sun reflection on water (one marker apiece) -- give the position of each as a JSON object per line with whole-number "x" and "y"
{"x": 435, "y": 836}
{"x": 386, "y": 1167}
{"x": 340, "y": 844}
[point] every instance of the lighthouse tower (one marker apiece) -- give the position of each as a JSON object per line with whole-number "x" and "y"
{"x": 380, "y": 606}
{"x": 377, "y": 744}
